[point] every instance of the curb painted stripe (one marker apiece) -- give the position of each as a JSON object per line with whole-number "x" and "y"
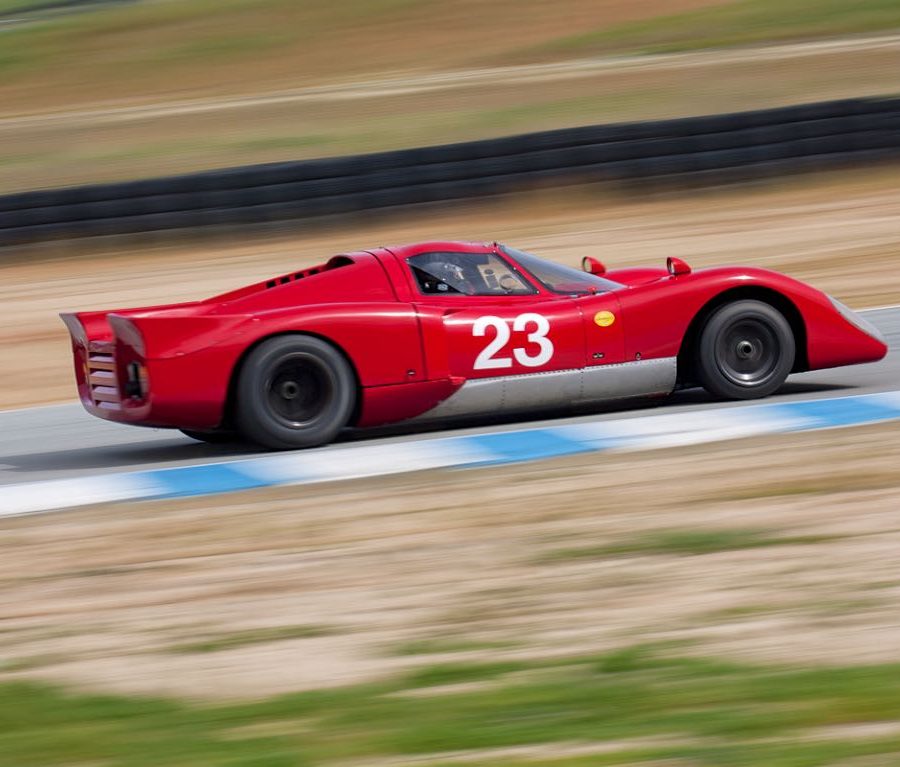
{"x": 515, "y": 446}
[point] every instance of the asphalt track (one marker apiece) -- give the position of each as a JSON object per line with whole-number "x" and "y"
{"x": 62, "y": 441}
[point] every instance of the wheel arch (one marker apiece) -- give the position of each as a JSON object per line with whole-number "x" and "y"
{"x": 774, "y": 298}
{"x": 228, "y": 412}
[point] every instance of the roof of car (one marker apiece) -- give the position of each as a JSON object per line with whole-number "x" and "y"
{"x": 453, "y": 246}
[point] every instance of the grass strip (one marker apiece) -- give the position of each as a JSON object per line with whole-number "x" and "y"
{"x": 745, "y": 22}
{"x": 687, "y": 542}
{"x": 235, "y": 639}
{"x": 703, "y": 711}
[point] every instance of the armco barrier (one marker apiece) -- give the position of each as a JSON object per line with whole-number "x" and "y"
{"x": 729, "y": 146}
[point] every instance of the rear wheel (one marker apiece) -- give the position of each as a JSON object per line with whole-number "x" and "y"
{"x": 293, "y": 392}
{"x": 746, "y": 350}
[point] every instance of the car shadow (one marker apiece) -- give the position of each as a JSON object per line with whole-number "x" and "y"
{"x": 621, "y": 408}
{"x": 160, "y": 453}
{"x": 166, "y": 452}
{"x": 698, "y": 396}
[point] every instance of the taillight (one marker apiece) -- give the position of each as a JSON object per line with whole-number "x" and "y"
{"x": 136, "y": 381}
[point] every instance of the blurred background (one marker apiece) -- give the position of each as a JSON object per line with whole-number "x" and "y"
{"x": 151, "y": 87}
{"x": 732, "y": 604}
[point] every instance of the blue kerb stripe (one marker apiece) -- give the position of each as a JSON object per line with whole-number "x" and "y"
{"x": 508, "y": 447}
{"x": 482, "y": 449}
{"x": 202, "y": 480}
{"x": 837, "y": 412}
{"x": 591, "y": 436}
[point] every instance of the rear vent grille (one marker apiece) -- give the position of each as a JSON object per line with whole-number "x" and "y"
{"x": 101, "y": 369}
{"x": 334, "y": 263}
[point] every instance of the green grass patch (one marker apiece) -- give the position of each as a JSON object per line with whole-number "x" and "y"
{"x": 230, "y": 641}
{"x": 213, "y": 47}
{"x": 703, "y": 711}
{"x": 833, "y": 482}
{"x": 298, "y": 142}
{"x": 742, "y": 612}
{"x": 692, "y": 542}
{"x": 30, "y": 662}
{"x": 114, "y": 41}
{"x": 449, "y": 644}
{"x": 744, "y": 22}
{"x": 461, "y": 673}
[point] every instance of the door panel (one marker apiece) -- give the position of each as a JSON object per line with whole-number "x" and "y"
{"x": 513, "y": 338}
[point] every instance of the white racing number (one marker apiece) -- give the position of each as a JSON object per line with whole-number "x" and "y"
{"x": 487, "y": 359}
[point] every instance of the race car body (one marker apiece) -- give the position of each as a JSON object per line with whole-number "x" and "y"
{"x": 447, "y": 329}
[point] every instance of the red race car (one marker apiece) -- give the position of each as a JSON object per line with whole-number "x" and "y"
{"x": 445, "y": 329}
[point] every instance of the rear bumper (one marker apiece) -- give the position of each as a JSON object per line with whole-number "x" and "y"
{"x": 166, "y": 372}
{"x": 187, "y": 392}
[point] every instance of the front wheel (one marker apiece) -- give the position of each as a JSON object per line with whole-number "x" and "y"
{"x": 746, "y": 350}
{"x": 294, "y": 392}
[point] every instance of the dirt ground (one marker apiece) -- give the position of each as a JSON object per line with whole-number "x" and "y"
{"x": 372, "y": 577}
{"x": 841, "y": 232}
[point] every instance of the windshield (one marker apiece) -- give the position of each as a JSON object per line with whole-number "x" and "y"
{"x": 559, "y": 278}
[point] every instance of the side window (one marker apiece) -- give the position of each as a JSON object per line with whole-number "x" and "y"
{"x": 469, "y": 274}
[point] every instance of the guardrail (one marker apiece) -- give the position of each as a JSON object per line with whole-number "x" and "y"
{"x": 730, "y": 147}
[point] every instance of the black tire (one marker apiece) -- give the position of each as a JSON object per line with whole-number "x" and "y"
{"x": 745, "y": 351}
{"x": 212, "y": 437}
{"x": 293, "y": 392}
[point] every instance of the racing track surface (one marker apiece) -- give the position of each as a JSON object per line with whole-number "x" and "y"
{"x": 61, "y": 441}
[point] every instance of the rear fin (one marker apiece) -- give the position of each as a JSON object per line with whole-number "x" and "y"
{"x": 86, "y": 327}
{"x": 95, "y": 327}
{"x": 76, "y": 329}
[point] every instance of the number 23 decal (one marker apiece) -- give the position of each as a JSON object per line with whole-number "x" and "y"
{"x": 487, "y": 358}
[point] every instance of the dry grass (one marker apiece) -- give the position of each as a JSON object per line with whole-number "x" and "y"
{"x": 841, "y": 233}
{"x": 100, "y": 597}
{"x": 153, "y": 50}
{"x": 72, "y": 151}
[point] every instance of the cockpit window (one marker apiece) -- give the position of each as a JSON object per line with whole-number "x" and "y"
{"x": 468, "y": 274}
{"x": 559, "y": 278}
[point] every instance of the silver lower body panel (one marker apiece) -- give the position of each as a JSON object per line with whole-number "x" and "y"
{"x": 558, "y": 388}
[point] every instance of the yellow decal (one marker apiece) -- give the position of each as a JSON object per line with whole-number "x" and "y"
{"x": 604, "y": 319}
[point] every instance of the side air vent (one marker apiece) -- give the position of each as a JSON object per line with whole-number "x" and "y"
{"x": 335, "y": 263}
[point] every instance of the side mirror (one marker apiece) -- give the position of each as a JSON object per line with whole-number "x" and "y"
{"x": 593, "y": 266}
{"x": 677, "y": 267}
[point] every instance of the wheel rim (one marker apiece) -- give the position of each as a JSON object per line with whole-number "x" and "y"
{"x": 299, "y": 390}
{"x": 748, "y": 352}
